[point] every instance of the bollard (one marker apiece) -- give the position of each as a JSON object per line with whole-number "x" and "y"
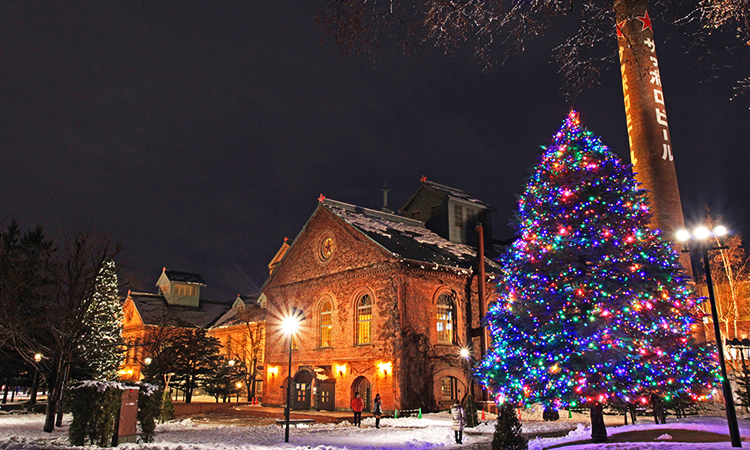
{"x": 420, "y": 413}
{"x": 395, "y": 414}
{"x": 483, "y": 418}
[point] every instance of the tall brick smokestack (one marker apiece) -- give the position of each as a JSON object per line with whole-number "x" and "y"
{"x": 650, "y": 142}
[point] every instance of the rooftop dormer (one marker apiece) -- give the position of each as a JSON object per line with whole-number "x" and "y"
{"x": 451, "y": 213}
{"x": 181, "y": 288}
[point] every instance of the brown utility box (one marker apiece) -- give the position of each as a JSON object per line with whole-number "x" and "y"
{"x": 127, "y": 418}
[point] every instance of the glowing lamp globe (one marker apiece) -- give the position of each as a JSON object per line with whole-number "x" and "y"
{"x": 290, "y": 325}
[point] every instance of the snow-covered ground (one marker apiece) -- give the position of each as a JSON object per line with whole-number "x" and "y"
{"x": 24, "y": 431}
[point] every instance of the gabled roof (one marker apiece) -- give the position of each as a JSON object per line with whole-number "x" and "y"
{"x": 449, "y": 192}
{"x": 250, "y": 312}
{"x": 185, "y": 277}
{"x": 407, "y": 238}
{"x": 154, "y": 310}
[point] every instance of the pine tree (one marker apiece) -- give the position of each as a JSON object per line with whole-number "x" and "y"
{"x": 470, "y": 407}
{"x": 508, "y": 430}
{"x": 103, "y": 347}
{"x": 593, "y": 305}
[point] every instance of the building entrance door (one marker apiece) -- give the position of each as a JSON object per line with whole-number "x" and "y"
{"x": 301, "y": 390}
{"x": 363, "y": 386}
{"x": 326, "y": 395}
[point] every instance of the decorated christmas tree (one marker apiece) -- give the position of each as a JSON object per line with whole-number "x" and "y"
{"x": 102, "y": 348}
{"x": 593, "y": 305}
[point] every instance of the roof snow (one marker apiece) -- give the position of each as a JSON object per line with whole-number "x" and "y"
{"x": 455, "y": 193}
{"x": 184, "y": 277}
{"x": 155, "y": 310}
{"x": 406, "y": 238}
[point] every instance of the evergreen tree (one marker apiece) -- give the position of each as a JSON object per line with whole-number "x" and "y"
{"x": 189, "y": 354}
{"x": 103, "y": 346}
{"x": 593, "y": 305}
{"x": 470, "y": 407}
{"x": 508, "y": 430}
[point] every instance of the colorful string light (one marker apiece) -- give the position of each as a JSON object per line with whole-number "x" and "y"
{"x": 593, "y": 306}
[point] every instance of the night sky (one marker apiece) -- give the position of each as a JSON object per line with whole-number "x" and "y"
{"x": 201, "y": 135}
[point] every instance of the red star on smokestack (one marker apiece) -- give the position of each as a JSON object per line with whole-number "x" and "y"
{"x": 646, "y": 22}
{"x": 322, "y": 198}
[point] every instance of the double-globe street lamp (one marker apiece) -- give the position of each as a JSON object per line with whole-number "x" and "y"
{"x": 699, "y": 242}
{"x": 290, "y": 326}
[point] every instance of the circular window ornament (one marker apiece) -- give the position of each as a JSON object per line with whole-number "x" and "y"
{"x": 326, "y": 248}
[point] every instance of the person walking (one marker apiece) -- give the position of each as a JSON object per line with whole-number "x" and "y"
{"x": 357, "y": 406}
{"x": 377, "y": 409}
{"x": 459, "y": 420}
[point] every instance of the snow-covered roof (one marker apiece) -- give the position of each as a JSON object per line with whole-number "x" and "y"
{"x": 185, "y": 277}
{"x": 407, "y": 238}
{"x": 455, "y": 193}
{"x": 250, "y": 311}
{"x": 155, "y": 310}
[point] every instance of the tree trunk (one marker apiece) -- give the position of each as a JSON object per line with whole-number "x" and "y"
{"x": 58, "y": 421}
{"x": 53, "y": 393}
{"x": 598, "y": 429}
{"x": 34, "y": 388}
{"x": 5, "y": 391}
{"x": 631, "y": 408}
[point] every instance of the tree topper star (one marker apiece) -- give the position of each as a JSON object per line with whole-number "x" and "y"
{"x": 322, "y": 198}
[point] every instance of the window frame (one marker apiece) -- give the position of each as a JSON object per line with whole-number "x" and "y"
{"x": 326, "y": 327}
{"x": 448, "y": 334}
{"x": 360, "y": 323}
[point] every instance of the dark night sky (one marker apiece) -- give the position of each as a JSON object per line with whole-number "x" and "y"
{"x": 202, "y": 134}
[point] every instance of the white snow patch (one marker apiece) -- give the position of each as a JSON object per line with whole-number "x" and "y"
{"x": 24, "y": 432}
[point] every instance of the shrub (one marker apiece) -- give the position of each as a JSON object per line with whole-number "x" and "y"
{"x": 94, "y": 406}
{"x": 508, "y": 430}
{"x": 149, "y": 409}
{"x": 471, "y": 412}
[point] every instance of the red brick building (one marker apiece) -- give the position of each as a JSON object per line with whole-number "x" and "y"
{"x": 389, "y": 301}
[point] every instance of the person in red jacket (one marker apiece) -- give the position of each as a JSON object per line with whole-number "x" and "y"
{"x": 357, "y": 405}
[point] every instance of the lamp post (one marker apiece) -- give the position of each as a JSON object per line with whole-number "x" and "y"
{"x": 465, "y": 353}
{"x": 35, "y": 382}
{"x": 698, "y": 242}
{"x": 290, "y": 326}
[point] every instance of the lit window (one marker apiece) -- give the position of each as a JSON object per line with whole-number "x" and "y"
{"x": 446, "y": 386}
{"x": 364, "y": 319}
{"x": 444, "y": 319}
{"x": 259, "y": 387}
{"x": 183, "y": 289}
{"x": 326, "y": 324}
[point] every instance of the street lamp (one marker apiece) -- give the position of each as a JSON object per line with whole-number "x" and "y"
{"x": 465, "y": 353}
{"x": 290, "y": 325}
{"x": 698, "y": 242}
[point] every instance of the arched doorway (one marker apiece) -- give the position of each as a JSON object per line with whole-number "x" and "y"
{"x": 301, "y": 390}
{"x": 363, "y": 386}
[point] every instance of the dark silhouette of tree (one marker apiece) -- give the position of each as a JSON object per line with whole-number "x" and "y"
{"x": 188, "y": 354}
{"x": 503, "y": 27}
{"x": 46, "y": 293}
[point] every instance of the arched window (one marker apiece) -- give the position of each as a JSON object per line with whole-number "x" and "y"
{"x": 445, "y": 314}
{"x": 364, "y": 319}
{"x": 326, "y": 324}
{"x": 448, "y": 387}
